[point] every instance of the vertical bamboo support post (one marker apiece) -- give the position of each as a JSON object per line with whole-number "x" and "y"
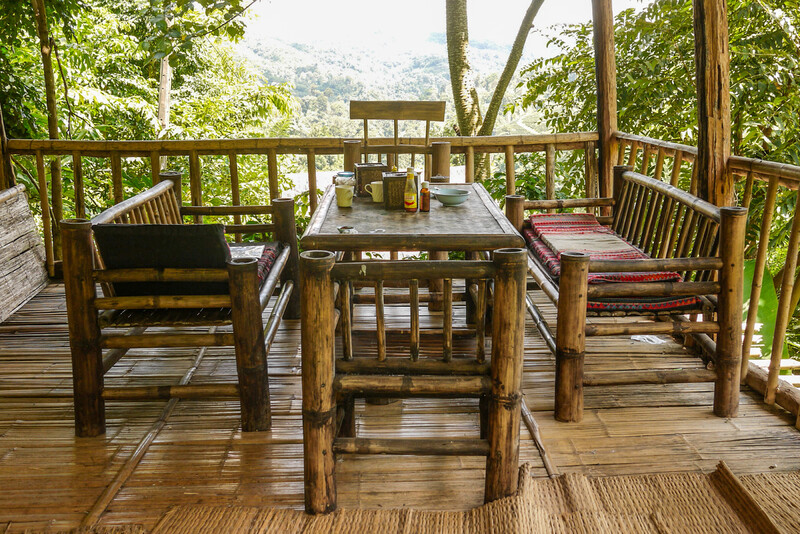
{"x": 758, "y": 273}
{"x": 286, "y": 232}
{"x": 116, "y": 177}
{"x": 469, "y": 166}
{"x": 236, "y": 200}
{"x": 677, "y": 162}
{"x": 380, "y": 321}
{"x": 346, "y": 321}
{"x": 319, "y": 404}
{"x": 515, "y": 211}
{"x": 508, "y": 337}
{"x": 550, "y": 173}
{"x": 618, "y": 183}
{"x": 659, "y": 171}
{"x": 195, "y": 186}
{"x": 447, "y": 319}
{"x": 248, "y": 339}
{"x": 511, "y": 177}
{"x": 590, "y": 174}
{"x": 352, "y": 154}
{"x": 712, "y": 68}
{"x": 272, "y": 170}
{"x": 435, "y": 288}
{"x": 84, "y": 332}
{"x": 77, "y": 179}
{"x": 748, "y": 190}
{"x": 312, "y": 181}
{"x": 6, "y": 168}
{"x": 729, "y": 312}
{"x": 413, "y": 287}
{"x": 784, "y": 308}
{"x": 155, "y": 167}
{"x": 47, "y": 227}
{"x": 441, "y": 159}
{"x": 606, "y": 75}
{"x": 570, "y": 336}
{"x": 480, "y": 322}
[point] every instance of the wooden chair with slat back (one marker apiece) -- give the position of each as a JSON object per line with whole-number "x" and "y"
{"x": 157, "y": 271}
{"x": 396, "y": 111}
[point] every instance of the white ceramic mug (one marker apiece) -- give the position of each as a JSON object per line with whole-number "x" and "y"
{"x": 344, "y": 196}
{"x": 376, "y": 190}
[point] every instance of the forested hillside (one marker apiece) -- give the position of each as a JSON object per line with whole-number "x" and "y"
{"x": 324, "y": 80}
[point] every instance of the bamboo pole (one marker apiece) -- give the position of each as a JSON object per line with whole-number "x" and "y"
{"x": 508, "y": 337}
{"x": 286, "y": 232}
{"x": 84, "y": 332}
{"x": 77, "y": 180}
{"x": 447, "y": 319}
{"x": 155, "y": 167}
{"x": 319, "y": 405}
{"x": 272, "y": 169}
{"x": 195, "y": 185}
{"x": 758, "y": 273}
{"x": 440, "y": 165}
{"x": 469, "y": 168}
{"x": 550, "y": 173}
{"x": 7, "y": 180}
{"x": 233, "y": 170}
{"x": 418, "y": 446}
{"x": 352, "y": 154}
{"x": 380, "y": 321}
{"x": 511, "y": 177}
{"x": 784, "y": 309}
{"x": 116, "y": 177}
{"x": 313, "y": 200}
{"x": 606, "y": 75}
{"x": 251, "y": 355}
{"x": 515, "y": 211}
{"x": 729, "y": 312}
{"x": 570, "y": 338}
{"x": 47, "y": 228}
{"x": 413, "y": 287}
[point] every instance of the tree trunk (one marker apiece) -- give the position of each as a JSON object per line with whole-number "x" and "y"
{"x": 40, "y": 16}
{"x": 465, "y": 96}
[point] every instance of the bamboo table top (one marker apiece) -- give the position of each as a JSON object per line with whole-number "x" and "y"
{"x": 477, "y": 224}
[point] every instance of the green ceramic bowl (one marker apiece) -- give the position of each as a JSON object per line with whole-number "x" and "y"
{"x": 450, "y": 196}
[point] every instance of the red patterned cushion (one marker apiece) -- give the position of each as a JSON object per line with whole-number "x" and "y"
{"x": 271, "y": 251}
{"x": 580, "y": 232}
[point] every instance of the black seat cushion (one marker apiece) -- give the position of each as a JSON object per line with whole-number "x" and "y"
{"x": 180, "y": 246}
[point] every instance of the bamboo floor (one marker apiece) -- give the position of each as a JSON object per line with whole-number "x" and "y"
{"x": 50, "y": 480}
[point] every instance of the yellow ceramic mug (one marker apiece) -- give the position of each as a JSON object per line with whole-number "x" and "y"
{"x": 376, "y": 190}
{"x": 344, "y": 196}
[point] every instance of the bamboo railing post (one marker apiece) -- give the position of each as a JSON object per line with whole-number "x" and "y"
{"x": 236, "y": 200}
{"x": 251, "y": 353}
{"x": 286, "y": 231}
{"x": 515, "y": 211}
{"x": 550, "y": 173}
{"x": 508, "y": 339}
{"x": 7, "y": 179}
{"x": 155, "y": 167}
{"x": 511, "y": 177}
{"x": 352, "y": 154}
{"x": 570, "y": 336}
{"x": 312, "y": 181}
{"x": 784, "y": 310}
{"x": 319, "y": 404}
{"x": 47, "y": 227}
{"x": 440, "y": 165}
{"x": 469, "y": 166}
{"x": 758, "y": 273}
{"x": 84, "y": 331}
{"x": 413, "y": 288}
{"x": 436, "y": 285}
{"x": 447, "y": 319}
{"x": 195, "y": 185}
{"x": 77, "y": 179}
{"x": 729, "y": 312}
{"x": 272, "y": 170}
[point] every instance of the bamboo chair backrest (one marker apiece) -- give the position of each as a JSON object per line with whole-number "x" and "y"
{"x": 477, "y": 274}
{"x": 157, "y": 205}
{"x": 662, "y": 220}
{"x": 396, "y": 110}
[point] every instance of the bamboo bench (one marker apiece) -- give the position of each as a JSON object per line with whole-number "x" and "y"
{"x": 227, "y": 296}
{"x": 704, "y": 244}
{"x": 330, "y": 384}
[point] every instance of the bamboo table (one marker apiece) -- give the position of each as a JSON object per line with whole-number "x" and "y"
{"x": 476, "y": 225}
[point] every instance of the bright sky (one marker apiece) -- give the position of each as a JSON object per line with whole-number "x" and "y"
{"x": 374, "y": 22}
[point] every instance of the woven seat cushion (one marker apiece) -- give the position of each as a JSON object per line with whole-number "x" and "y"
{"x": 266, "y": 259}
{"x": 552, "y": 234}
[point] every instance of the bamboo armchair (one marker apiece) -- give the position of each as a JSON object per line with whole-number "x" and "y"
{"x": 681, "y": 233}
{"x": 95, "y": 321}
{"x": 330, "y": 384}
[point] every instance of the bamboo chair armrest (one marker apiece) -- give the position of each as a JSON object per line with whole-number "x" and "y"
{"x": 268, "y": 288}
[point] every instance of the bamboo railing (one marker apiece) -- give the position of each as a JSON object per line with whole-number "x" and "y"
{"x": 194, "y": 150}
{"x": 645, "y": 154}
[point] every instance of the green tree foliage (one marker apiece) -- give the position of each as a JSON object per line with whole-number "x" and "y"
{"x": 107, "y": 78}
